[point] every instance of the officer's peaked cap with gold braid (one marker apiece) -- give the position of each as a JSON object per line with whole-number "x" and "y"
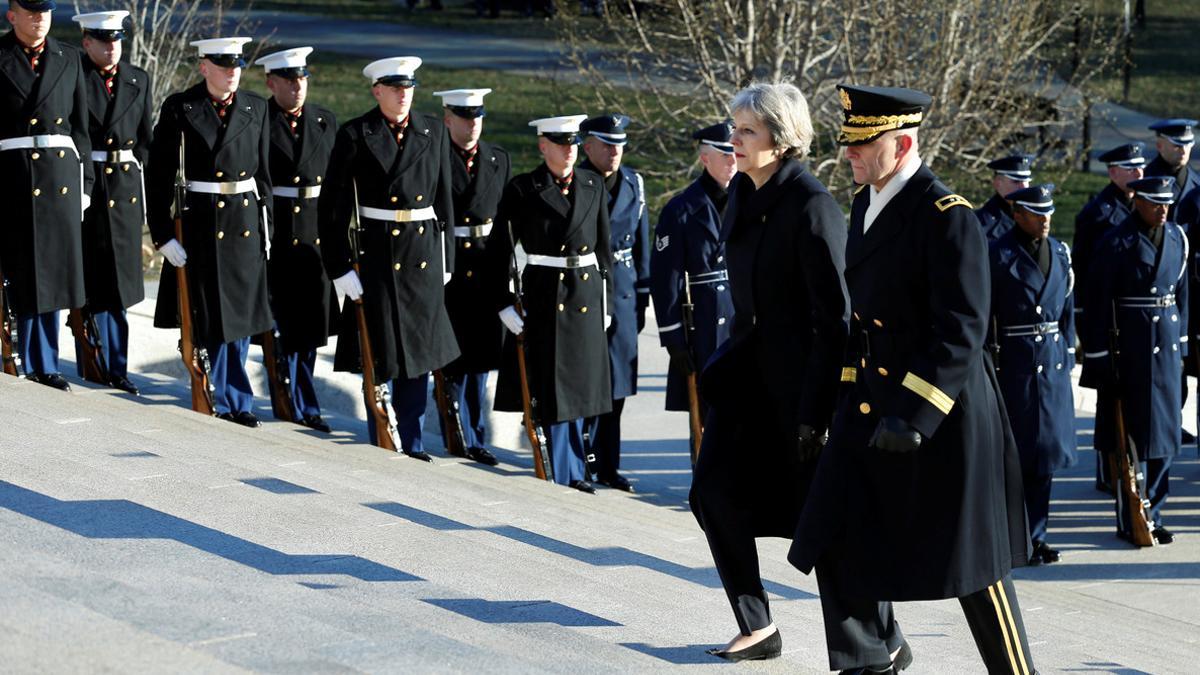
{"x": 871, "y": 111}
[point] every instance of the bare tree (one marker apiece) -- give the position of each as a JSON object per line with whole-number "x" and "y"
{"x": 1003, "y": 73}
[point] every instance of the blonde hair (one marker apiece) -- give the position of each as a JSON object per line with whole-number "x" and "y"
{"x": 784, "y": 110}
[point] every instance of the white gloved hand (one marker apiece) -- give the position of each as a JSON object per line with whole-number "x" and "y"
{"x": 446, "y": 277}
{"x": 174, "y": 253}
{"x": 349, "y": 285}
{"x": 85, "y": 201}
{"x": 607, "y": 321}
{"x": 512, "y": 320}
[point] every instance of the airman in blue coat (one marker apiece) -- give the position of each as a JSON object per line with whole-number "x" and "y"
{"x": 1174, "y": 139}
{"x": 1138, "y": 277}
{"x": 1033, "y": 330}
{"x": 688, "y": 250}
{"x": 604, "y": 145}
{"x": 1011, "y": 173}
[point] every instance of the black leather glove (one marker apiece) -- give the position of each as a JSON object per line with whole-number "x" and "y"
{"x": 895, "y": 435}
{"x": 809, "y": 442}
{"x": 681, "y": 360}
{"x": 641, "y": 319}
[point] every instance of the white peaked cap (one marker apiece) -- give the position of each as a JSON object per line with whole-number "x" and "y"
{"x": 288, "y": 58}
{"x": 567, "y": 124}
{"x": 463, "y": 97}
{"x": 114, "y": 20}
{"x": 225, "y": 45}
{"x": 396, "y": 66}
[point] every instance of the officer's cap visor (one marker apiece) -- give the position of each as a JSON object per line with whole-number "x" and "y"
{"x": 399, "y": 81}
{"x": 1037, "y": 209}
{"x": 469, "y": 112}
{"x": 566, "y": 138}
{"x": 105, "y": 35}
{"x": 290, "y": 73}
{"x": 226, "y": 60}
{"x": 1165, "y": 198}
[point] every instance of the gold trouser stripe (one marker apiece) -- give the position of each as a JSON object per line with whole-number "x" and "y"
{"x": 1012, "y": 660}
{"x": 1012, "y": 626}
{"x": 849, "y": 374}
{"x": 936, "y": 397}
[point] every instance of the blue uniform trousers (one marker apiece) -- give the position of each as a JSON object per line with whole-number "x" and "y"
{"x": 113, "y": 329}
{"x": 566, "y": 450}
{"x": 231, "y": 385}
{"x": 409, "y": 397}
{"x": 1037, "y": 504}
{"x": 304, "y": 393}
{"x": 470, "y": 390}
{"x": 1157, "y": 474}
{"x": 604, "y": 434}
{"x": 38, "y": 334}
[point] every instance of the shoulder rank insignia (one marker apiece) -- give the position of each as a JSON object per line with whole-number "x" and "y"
{"x": 951, "y": 200}
{"x": 661, "y": 243}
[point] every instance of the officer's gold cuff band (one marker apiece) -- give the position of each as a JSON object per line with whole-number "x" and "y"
{"x": 849, "y": 374}
{"x": 936, "y": 397}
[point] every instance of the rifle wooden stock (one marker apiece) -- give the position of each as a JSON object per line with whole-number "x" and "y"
{"x": 278, "y": 379}
{"x": 383, "y": 431}
{"x": 192, "y": 360}
{"x": 10, "y": 359}
{"x": 696, "y": 423}
{"x": 541, "y": 457}
{"x": 450, "y": 416}
{"x": 1126, "y": 481}
{"x": 87, "y": 347}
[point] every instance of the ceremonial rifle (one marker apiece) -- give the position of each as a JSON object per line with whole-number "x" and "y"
{"x": 693, "y": 392}
{"x": 10, "y": 352}
{"x": 533, "y": 427}
{"x": 993, "y": 347}
{"x": 381, "y": 418}
{"x": 278, "y": 377}
{"x": 195, "y": 357}
{"x": 450, "y": 415}
{"x": 1130, "y": 482}
{"x": 88, "y": 345}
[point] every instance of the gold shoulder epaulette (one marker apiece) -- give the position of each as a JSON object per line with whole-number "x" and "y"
{"x": 859, "y": 188}
{"x": 951, "y": 200}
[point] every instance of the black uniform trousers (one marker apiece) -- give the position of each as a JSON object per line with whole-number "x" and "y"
{"x": 1037, "y": 504}
{"x": 604, "y": 440}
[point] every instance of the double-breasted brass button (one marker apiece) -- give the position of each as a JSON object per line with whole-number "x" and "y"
{"x": 242, "y": 174}
{"x": 58, "y": 120}
{"x": 221, "y": 204}
{"x": 133, "y": 200}
{"x": 295, "y": 179}
{"x": 295, "y": 242}
{"x": 584, "y": 276}
{"x": 882, "y": 371}
{"x": 470, "y": 274}
{"x": 561, "y": 307}
{"x": 583, "y": 249}
{"x": 395, "y": 199}
{"x": 112, "y": 203}
{"x": 864, "y": 408}
{"x": 424, "y": 264}
{"x": 35, "y": 156}
{"x": 245, "y": 233}
{"x": 37, "y": 191}
{"x": 107, "y": 170}
{"x": 878, "y": 323}
{"x": 108, "y": 140}
{"x": 62, "y": 153}
{"x": 583, "y": 310}
{"x": 245, "y": 201}
{"x": 124, "y": 167}
{"x": 296, "y": 209}
{"x": 420, "y": 197}
{"x": 561, "y": 276}
{"x": 318, "y": 179}
{"x": 220, "y": 235}
{"x": 396, "y": 267}
{"x": 220, "y": 174}
{"x": 33, "y": 122}
{"x": 421, "y": 229}
{"x": 63, "y": 190}
{"x": 317, "y": 241}
{"x": 466, "y": 244}
{"x": 466, "y": 219}
{"x": 396, "y": 232}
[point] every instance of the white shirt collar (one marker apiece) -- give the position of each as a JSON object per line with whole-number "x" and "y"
{"x": 880, "y": 198}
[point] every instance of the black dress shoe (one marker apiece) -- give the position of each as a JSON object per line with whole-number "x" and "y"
{"x": 1163, "y": 536}
{"x": 419, "y": 454}
{"x": 482, "y": 456}
{"x": 1188, "y": 437}
{"x": 123, "y": 383}
{"x": 582, "y": 486}
{"x": 768, "y": 648}
{"x": 1035, "y": 557}
{"x": 1048, "y": 555}
{"x": 902, "y": 660}
{"x": 315, "y": 422}
{"x": 453, "y": 452}
{"x": 51, "y": 380}
{"x": 246, "y": 419}
{"x": 617, "y": 482}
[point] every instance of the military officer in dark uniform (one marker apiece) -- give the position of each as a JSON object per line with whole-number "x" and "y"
{"x": 1034, "y": 336}
{"x": 1108, "y": 209}
{"x": 119, "y": 100}
{"x": 916, "y": 496}
{"x": 688, "y": 250}
{"x": 629, "y": 224}
{"x": 1174, "y": 140}
{"x": 221, "y": 135}
{"x": 1137, "y": 281}
{"x": 391, "y": 168}
{"x": 1010, "y": 174}
{"x": 559, "y": 216}
{"x": 480, "y": 172}
{"x": 43, "y": 143}
{"x": 302, "y": 298}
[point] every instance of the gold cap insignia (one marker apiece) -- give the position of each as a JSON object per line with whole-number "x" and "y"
{"x": 845, "y": 98}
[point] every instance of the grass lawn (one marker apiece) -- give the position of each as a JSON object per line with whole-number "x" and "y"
{"x": 1166, "y": 60}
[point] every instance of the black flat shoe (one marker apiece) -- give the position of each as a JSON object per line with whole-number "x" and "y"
{"x": 465, "y": 454}
{"x": 315, "y": 422}
{"x": 482, "y": 456}
{"x": 582, "y": 486}
{"x": 419, "y": 454}
{"x": 1163, "y": 536}
{"x": 904, "y": 659}
{"x": 246, "y": 419}
{"x": 125, "y": 385}
{"x": 769, "y": 647}
{"x": 51, "y": 380}
{"x": 617, "y": 482}
{"x": 1048, "y": 555}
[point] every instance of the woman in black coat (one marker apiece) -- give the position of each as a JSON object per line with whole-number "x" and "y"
{"x": 771, "y": 386}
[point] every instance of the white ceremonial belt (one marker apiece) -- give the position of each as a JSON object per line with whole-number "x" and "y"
{"x": 1026, "y": 330}
{"x": 310, "y": 192}
{"x": 40, "y": 141}
{"x": 709, "y": 278}
{"x": 623, "y": 255}
{"x": 562, "y": 262}
{"x": 228, "y": 188}
{"x": 473, "y": 231}
{"x": 1146, "y": 302}
{"x": 114, "y": 157}
{"x": 397, "y": 215}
